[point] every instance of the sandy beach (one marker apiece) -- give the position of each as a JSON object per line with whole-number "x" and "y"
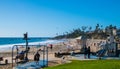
{"x": 62, "y": 46}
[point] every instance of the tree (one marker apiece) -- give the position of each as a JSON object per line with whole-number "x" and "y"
{"x": 97, "y": 27}
{"x": 90, "y": 28}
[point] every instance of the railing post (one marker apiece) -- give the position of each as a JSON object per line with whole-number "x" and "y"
{"x": 47, "y": 56}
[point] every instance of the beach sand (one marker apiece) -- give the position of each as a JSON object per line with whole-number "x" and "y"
{"x": 52, "y": 60}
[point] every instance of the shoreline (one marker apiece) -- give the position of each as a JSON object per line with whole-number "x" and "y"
{"x": 8, "y": 47}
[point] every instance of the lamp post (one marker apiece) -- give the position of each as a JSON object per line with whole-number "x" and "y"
{"x": 26, "y": 39}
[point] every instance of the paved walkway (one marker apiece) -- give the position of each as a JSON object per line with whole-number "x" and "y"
{"x": 81, "y": 57}
{"x": 32, "y": 65}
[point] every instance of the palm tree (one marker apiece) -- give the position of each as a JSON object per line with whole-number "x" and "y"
{"x": 90, "y": 28}
{"x": 83, "y": 29}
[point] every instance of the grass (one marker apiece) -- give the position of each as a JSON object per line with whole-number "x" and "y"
{"x": 89, "y": 64}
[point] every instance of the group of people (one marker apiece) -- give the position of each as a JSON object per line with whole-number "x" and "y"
{"x": 87, "y": 52}
{"x": 22, "y": 57}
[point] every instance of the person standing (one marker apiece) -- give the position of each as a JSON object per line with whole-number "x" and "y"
{"x": 36, "y": 57}
{"x": 85, "y": 52}
{"x": 88, "y": 52}
{"x": 51, "y": 47}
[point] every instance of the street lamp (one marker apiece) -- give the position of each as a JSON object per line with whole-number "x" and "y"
{"x": 26, "y": 39}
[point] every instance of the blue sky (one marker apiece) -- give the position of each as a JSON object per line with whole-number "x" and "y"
{"x": 42, "y": 18}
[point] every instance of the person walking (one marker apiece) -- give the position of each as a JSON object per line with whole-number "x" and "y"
{"x": 36, "y": 57}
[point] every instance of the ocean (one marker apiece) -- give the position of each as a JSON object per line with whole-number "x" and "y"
{"x": 15, "y": 40}
{"x": 6, "y": 43}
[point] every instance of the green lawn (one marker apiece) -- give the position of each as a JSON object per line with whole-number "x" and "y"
{"x": 89, "y": 64}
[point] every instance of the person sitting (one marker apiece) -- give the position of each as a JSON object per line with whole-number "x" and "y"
{"x": 59, "y": 54}
{"x": 55, "y": 54}
{"x": 20, "y": 55}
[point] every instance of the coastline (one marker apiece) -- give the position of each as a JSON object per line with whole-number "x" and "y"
{"x": 58, "y": 45}
{"x": 8, "y": 47}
